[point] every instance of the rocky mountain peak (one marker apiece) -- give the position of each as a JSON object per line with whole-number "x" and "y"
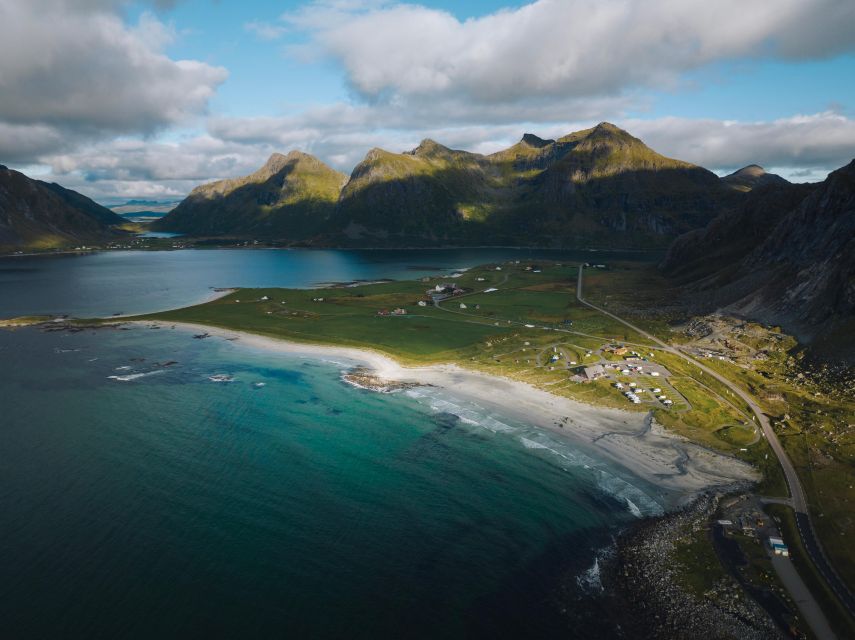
{"x": 535, "y": 141}
{"x": 751, "y": 177}
{"x": 428, "y": 147}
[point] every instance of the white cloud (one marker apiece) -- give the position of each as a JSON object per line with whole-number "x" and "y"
{"x": 814, "y": 144}
{"x": 75, "y": 71}
{"x": 87, "y": 95}
{"x": 265, "y": 30}
{"x": 561, "y": 48}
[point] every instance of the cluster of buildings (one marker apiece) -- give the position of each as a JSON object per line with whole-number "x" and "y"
{"x": 400, "y": 311}
{"x": 632, "y": 393}
{"x": 444, "y": 290}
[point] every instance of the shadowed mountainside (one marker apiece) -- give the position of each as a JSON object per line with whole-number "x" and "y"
{"x": 291, "y": 197}
{"x": 786, "y": 257}
{"x": 597, "y": 187}
{"x": 36, "y": 214}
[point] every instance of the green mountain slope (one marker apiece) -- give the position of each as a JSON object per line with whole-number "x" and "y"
{"x": 290, "y": 197}
{"x": 598, "y": 187}
{"x": 41, "y": 215}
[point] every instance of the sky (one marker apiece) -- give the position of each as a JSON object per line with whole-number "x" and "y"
{"x": 123, "y": 99}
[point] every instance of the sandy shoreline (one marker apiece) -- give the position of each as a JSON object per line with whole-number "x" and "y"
{"x": 678, "y": 468}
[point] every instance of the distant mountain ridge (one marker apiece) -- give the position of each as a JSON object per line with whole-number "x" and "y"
{"x": 36, "y": 214}
{"x": 597, "y": 187}
{"x": 751, "y": 177}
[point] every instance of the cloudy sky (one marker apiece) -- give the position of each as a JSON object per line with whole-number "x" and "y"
{"x": 124, "y": 99}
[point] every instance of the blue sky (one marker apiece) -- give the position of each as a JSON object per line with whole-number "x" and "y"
{"x": 126, "y": 98}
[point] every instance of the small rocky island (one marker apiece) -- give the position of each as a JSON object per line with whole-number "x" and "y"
{"x": 366, "y": 379}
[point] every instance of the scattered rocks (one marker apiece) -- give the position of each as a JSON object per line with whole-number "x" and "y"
{"x": 645, "y": 571}
{"x": 366, "y": 379}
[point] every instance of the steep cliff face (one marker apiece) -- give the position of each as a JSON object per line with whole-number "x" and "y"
{"x": 812, "y": 251}
{"x": 290, "y": 197}
{"x": 786, "y": 257}
{"x": 719, "y": 247}
{"x": 36, "y": 214}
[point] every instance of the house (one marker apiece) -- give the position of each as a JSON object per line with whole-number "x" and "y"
{"x": 490, "y": 290}
{"x": 264, "y": 298}
{"x": 399, "y": 312}
{"x": 778, "y": 547}
{"x": 383, "y": 312}
{"x": 594, "y": 372}
{"x": 422, "y": 303}
{"x": 480, "y": 279}
{"x": 462, "y": 306}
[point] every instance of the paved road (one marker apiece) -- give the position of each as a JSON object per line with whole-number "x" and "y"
{"x": 810, "y": 610}
{"x": 797, "y": 495}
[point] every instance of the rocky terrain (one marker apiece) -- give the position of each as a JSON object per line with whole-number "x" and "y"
{"x": 645, "y": 570}
{"x": 786, "y": 257}
{"x": 42, "y": 215}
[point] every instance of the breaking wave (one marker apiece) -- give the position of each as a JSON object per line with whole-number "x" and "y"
{"x": 636, "y": 501}
{"x": 134, "y": 376}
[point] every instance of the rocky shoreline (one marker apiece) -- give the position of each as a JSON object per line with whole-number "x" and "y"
{"x": 365, "y": 378}
{"x": 643, "y": 576}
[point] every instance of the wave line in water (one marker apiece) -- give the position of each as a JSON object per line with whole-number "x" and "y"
{"x": 133, "y": 376}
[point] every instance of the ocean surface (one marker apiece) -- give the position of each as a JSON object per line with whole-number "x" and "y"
{"x": 157, "y": 485}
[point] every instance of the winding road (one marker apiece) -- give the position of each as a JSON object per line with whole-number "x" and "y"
{"x": 797, "y": 499}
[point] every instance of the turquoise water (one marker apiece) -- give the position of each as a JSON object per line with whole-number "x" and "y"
{"x": 139, "y": 498}
{"x": 169, "y": 504}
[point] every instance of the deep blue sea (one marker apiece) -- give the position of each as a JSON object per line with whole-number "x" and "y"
{"x": 140, "y": 498}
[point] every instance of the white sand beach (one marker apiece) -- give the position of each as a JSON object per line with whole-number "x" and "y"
{"x": 679, "y": 468}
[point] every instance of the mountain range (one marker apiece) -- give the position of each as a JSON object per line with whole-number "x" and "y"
{"x": 36, "y": 214}
{"x": 597, "y": 187}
